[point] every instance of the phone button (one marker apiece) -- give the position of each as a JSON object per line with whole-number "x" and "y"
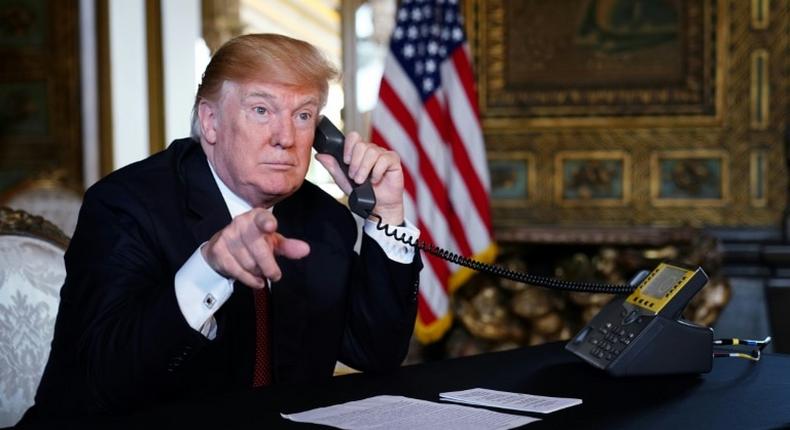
{"x": 631, "y": 317}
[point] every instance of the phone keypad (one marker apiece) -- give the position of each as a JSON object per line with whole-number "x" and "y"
{"x": 609, "y": 340}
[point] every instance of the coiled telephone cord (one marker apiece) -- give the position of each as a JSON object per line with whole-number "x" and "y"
{"x": 503, "y": 272}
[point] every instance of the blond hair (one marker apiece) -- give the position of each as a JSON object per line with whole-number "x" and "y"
{"x": 271, "y": 57}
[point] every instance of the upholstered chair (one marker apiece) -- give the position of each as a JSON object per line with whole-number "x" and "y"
{"x": 31, "y": 274}
{"x": 51, "y": 194}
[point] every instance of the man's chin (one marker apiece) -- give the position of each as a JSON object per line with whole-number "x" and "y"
{"x": 276, "y": 193}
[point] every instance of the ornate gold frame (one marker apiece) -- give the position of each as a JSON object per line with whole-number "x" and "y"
{"x": 760, "y": 14}
{"x": 758, "y": 165}
{"x": 730, "y": 130}
{"x": 559, "y": 185}
{"x": 760, "y": 90}
{"x": 528, "y": 159}
{"x": 43, "y": 53}
{"x": 486, "y": 26}
{"x": 655, "y": 177}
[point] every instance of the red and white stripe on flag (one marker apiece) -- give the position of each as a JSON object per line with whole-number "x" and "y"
{"x": 427, "y": 112}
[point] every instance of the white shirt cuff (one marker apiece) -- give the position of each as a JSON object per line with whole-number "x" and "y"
{"x": 200, "y": 291}
{"x": 395, "y": 249}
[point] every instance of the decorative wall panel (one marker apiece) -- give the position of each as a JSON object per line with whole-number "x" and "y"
{"x": 39, "y": 90}
{"x": 689, "y": 178}
{"x": 512, "y": 177}
{"x": 592, "y": 178}
{"x": 691, "y": 95}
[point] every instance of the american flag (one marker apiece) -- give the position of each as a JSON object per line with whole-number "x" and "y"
{"x": 427, "y": 112}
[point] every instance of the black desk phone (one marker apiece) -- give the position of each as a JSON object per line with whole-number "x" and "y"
{"x": 641, "y": 334}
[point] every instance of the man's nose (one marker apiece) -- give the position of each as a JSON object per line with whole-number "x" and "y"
{"x": 284, "y": 132}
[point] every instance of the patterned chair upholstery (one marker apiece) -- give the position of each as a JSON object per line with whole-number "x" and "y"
{"x": 31, "y": 274}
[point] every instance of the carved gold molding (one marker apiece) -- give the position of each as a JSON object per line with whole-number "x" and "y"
{"x": 760, "y": 90}
{"x": 40, "y": 125}
{"x": 21, "y": 223}
{"x": 754, "y": 174}
{"x": 221, "y": 22}
{"x": 697, "y": 99}
{"x": 105, "y": 87}
{"x": 596, "y": 175}
{"x": 686, "y": 155}
{"x": 156, "y": 97}
{"x": 760, "y": 14}
{"x": 758, "y": 164}
{"x": 522, "y": 173}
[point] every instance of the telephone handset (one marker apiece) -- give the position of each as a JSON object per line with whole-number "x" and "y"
{"x": 329, "y": 140}
{"x": 362, "y": 200}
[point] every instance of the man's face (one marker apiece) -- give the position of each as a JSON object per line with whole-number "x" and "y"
{"x": 259, "y": 138}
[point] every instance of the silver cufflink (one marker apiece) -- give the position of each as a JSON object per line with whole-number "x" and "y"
{"x": 209, "y": 301}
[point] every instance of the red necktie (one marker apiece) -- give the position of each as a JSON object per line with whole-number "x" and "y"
{"x": 262, "y": 374}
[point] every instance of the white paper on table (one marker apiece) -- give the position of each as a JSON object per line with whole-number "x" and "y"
{"x": 513, "y": 401}
{"x": 404, "y": 413}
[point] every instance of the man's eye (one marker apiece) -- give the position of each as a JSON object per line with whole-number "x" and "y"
{"x": 260, "y": 110}
{"x": 304, "y": 116}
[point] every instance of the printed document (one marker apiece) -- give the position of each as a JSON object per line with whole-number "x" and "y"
{"x": 404, "y": 413}
{"x": 513, "y": 401}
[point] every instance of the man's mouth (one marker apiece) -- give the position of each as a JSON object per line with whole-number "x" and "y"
{"x": 278, "y": 165}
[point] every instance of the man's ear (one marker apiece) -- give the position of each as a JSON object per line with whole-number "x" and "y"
{"x": 207, "y": 115}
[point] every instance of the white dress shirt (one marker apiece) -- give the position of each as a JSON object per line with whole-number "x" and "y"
{"x": 200, "y": 291}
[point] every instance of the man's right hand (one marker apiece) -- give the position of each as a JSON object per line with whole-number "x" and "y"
{"x": 245, "y": 249}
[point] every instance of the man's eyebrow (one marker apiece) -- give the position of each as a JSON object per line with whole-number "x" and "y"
{"x": 310, "y": 101}
{"x": 262, "y": 94}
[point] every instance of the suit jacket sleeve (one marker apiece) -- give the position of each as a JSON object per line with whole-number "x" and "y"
{"x": 383, "y": 307}
{"x": 119, "y": 320}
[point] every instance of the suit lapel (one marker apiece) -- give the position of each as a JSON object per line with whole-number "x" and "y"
{"x": 203, "y": 198}
{"x": 206, "y": 214}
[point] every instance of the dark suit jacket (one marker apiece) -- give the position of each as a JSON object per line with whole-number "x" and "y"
{"x": 122, "y": 343}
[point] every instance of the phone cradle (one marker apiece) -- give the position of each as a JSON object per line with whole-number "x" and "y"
{"x": 628, "y": 338}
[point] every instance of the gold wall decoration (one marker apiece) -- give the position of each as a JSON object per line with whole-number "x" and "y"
{"x": 512, "y": 178}
{"x": 760, "y": 14}
{"x": 39, "y": 90}
{"x": 221, "y": 22}
{"x": 689, "y": 178}
{"x": 104, "y": 80}
{"x": 155, "y": 75}
{"x": 760, "y": 90}
{"x": 582, "y": 76}
{"x": 20, "y": 223}
{"x": 758, "y": 167}
{"x": 592, "y": 178}
{"x": 578, "y": 62}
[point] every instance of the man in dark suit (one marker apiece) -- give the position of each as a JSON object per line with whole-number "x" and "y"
{"x": 212, "y": 266}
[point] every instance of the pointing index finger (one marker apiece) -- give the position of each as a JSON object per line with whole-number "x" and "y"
{"x": 265, "y": 221}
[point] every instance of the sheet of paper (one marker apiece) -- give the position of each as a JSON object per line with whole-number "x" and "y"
{"x": 513, "y": 401}
{"x": 404, "y": 413}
